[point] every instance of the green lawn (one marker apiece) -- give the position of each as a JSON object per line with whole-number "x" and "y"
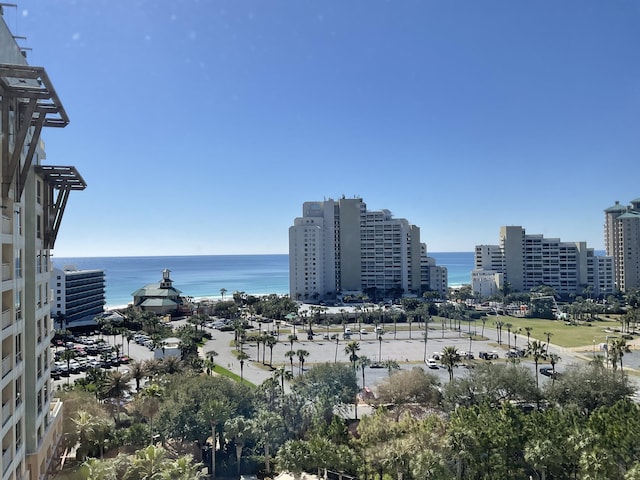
{"x": 562, "y": 335}
{"x": 227, "y": 373}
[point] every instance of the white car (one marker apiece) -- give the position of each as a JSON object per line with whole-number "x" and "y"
{"x": 431, "y": 363}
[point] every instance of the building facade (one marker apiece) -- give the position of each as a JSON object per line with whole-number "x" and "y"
{"x": 79, "y": 296}
{"x": 622, "y": 243}
{"x": 528, "y": 261}
{"x": 33, "y": 199}
{"x": 341, "y": 247}
{"x": 161, "y": 298}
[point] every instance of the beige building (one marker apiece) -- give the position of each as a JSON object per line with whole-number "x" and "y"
{"x": 34, "y": 197}
{"x": 338, "y": 246}
{"x": 622, "y": 241}
{"x": 527, "y": 261}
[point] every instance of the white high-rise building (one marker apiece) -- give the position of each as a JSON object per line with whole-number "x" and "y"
{"x": 527, "y": 261}
{"x": 32, "y": 204}
{"x": 622, "y": 242}
{"x": 341, "y": 247}
{"x": 79, "y": 296}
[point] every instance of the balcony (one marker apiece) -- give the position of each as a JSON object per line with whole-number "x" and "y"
{"x": 6, "y": 272}
{"x": 6, "y": 460}
{"x": 6, "y": 319}
{"x": 6, "y": 413}
{"x": 6, "y": 225}
{"x": 6, "y": 365}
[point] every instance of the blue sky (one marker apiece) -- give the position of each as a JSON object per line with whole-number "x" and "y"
{"x": 202, "y": 126}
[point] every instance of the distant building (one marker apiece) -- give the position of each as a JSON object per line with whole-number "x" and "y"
{"x": 79, "y": 296}
{"x": 528, "y": 261}
{"x": 170, "y": 348}
{"x": 622, "y": 242}
{"x": 340, "y": 246}
{"x": 161, "y": 298}
{"x": 432, "y": 277}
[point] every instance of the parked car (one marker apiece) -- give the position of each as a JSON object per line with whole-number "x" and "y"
{"x": 548, "y": 372}
{"x": 431, "y": 363}
{"x": 488, "y": 355}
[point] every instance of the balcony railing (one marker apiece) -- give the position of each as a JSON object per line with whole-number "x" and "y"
{"x": 6, "y": 319}
{"x": 6, "y": 460}
{"x": 6, "y": 225}
{"x": 6, "y": 272}
{"x": 6, "y": 413}
{"x": 6, "y": 365}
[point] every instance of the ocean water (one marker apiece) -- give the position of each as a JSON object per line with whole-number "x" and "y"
{"x": 204, "y": 275}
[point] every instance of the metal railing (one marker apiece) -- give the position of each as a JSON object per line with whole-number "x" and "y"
{"x": 6, "y": 272}
{"x": 6, "y": 365}
{"x": 6, "y": 319}
{"x": 6, "y": 225}
{"x": 6, "y": 413}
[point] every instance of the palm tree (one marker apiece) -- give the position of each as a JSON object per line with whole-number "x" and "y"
{"x": 149, "y": 463}
{"x": 484, "y": 322}
{"x": 137, "y": 372}
{"x": 516, "y": 332}
{"x": 363, "y": 362}
{"x": 184, "y": 468}
{"x": 528, "y": 330}
{"x": 171, "y": 365}
{"x": 536, "y": 350}
{"x": 223, "y": 292}
{"x": 268, "y": 425}
{"x": 391, "y": 366}
{"x": 425, "y": 335}
{"x": 380, "y": 347}
{"x": 554, "y": 358}
{"x": 352, "y": 349}
{"x": 242, "y": 356}
{"x": 85, "y": 429}
{"x": 217, "y": 411}
{"x": 548, "y": 335}
{"x": 149, "y": 403}
{"x": 337, "y": 344}
{"x": 283, "y": 374}
{"x": 94, "y": 469}
{"x": 508, "y": 326}
{"x": 302, "y": 354}
{"x": 116, "y": 386}
{"x": 129, "y": 336}
{"x": 238, "y": 428}
{"x": 499, "y": 325}
{"x": 271, "y": 342}
{"x": 209, "y": 362}
{"x": 68, "y": 355}
{"x": 450, "y": 358}
{"x": 619, "y": 347}
{"x": 290, "y": 355}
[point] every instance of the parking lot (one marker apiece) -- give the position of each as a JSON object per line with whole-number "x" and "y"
{"x": 405, "y": 347}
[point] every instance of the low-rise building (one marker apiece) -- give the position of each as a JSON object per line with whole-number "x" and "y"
{"x": 161, "y": 298}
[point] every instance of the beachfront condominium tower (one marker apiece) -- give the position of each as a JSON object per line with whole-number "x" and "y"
{"x": 34, "y": 196}
{"x": 339, "y": 247}
{"x": 78, "y": 296}
{"x": 522, "y": 262}
{"x": 622, "y": 242}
